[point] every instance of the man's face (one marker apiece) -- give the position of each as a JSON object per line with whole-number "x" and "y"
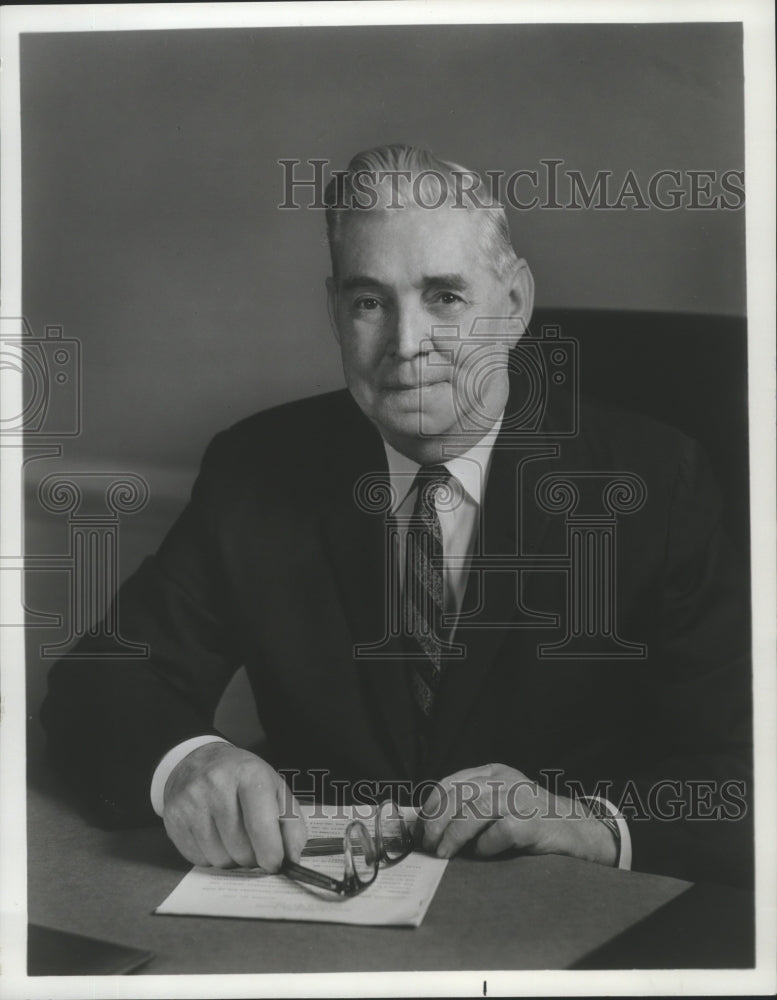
{"x": 425, "y": 325}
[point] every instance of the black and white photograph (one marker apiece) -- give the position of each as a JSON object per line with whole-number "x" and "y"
{"x": 388, "y": 551}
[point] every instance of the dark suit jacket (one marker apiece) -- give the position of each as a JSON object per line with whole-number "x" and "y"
{"x": 273, "y": 565}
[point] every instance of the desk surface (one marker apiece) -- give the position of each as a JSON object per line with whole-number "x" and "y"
{"x": 522, "y": 913}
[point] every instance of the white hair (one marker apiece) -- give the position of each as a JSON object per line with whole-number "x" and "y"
{"x": 419, "y": 180}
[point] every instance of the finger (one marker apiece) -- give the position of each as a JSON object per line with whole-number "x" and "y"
{"x": 234, "y": 838}
{"x": 209, "y": 842}
{"x": 294, "y": 828}
{"x": 432, "y": 808}
{"x": 464, "y": 827}
{"x": 184, "y": 841}
{"x": 501, "y": 836}
{"x": 434, "y": 801}
{"x": 435, "y": 817}
{"x": 456, "y": 793}
{"x": 209, "y": 809}
{"x": 259, "y": 809}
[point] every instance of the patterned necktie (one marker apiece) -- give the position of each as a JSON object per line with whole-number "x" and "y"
{"x": 423, "y": 594}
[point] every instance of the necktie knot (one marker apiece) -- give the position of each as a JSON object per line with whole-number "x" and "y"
{"x": 434, "y": 484}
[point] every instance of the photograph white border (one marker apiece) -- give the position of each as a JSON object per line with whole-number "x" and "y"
{"x": 758, "y": 25}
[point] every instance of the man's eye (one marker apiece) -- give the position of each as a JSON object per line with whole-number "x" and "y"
{"x": 367, "y": 303}
{"x": 449, "y": 298}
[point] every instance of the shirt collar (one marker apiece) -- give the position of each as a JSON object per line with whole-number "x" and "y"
{"x": 470, "y": 468}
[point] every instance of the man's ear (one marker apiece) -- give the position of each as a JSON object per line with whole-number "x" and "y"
{"x": 521, "y": 298}
{"x": 331, "y": 305}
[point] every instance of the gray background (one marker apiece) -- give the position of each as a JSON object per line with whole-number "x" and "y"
{"x": 151, "y": 232}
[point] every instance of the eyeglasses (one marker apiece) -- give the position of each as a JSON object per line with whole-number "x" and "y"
{"x": 393, "y": 841}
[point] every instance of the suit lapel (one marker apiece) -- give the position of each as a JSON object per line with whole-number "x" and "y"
{"x": 355, "y": 543}
{"x": 511, "y": 524}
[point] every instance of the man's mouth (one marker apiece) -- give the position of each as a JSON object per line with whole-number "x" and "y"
{"x": 402, "y": 386}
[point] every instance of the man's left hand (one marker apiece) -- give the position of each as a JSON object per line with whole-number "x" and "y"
{"x": 499, "y": 809}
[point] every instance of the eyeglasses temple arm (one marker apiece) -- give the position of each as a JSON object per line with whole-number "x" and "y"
{"x": 320, "y": 846}
{"x": 310, "y": 876}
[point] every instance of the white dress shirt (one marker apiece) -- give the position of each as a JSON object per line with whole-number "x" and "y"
{"x": 458, "y": 520}
{"x": 459, "y": 524}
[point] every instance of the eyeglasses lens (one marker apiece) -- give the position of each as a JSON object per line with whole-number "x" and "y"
{"x": 361, "y": 851}
{"x": 394, "y": 832}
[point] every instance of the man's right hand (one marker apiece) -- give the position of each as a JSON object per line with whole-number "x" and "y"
{"x": 225, "y": 806}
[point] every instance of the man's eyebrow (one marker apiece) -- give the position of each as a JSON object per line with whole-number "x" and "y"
{"x": 452, "y": 280}
{"x": 457, "y": 281}
{"x": 359, "y": 281}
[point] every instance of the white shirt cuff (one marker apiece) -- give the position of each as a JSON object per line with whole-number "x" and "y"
{"x": 169, "y": 762}
{"x": 624, "y": 860}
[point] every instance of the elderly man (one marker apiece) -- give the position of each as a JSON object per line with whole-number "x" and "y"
{"x": 391, "y": 564}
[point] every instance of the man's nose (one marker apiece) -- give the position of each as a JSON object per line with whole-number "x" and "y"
{"x": 409, "y": 331}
